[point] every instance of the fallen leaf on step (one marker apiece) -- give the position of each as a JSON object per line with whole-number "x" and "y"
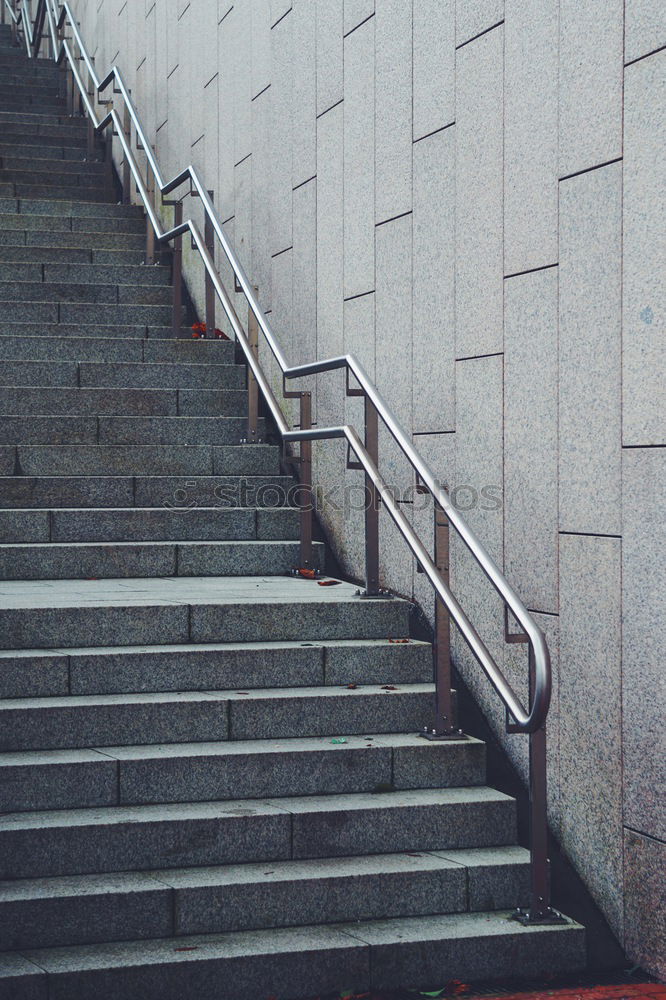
{"x": 308, "y": 574}
{"x": 399, "y": 642}
{"x": 328, "y": 583}
{"x": 352, "y": 687}
{"x": 194, "y": 948}
{"x": 389, "y": 687}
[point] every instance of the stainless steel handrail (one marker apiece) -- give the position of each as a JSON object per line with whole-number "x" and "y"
{"x": 22, "y": 19}
{"x": 527, "y": 720}
{"x": 10, "y": 7}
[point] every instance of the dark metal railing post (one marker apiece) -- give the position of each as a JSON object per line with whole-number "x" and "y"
{"x": 540, "y": 881}
{"x": 539, "y": 911}
{"x": 91, "y": 125}
{"x": 150, "y": 232}
{"x": 70, "y": 93}
{"x": 108, "y": 155}
{"x": 209, "y": 240}
{"x": 252, "y": 387}
{"x": 127, "y": 132}
{"x": 443, "y": 727}
{"x": 372, "y": 588}
{"x": 177, "y": 273}
{"x": 444, "y": 721}
{"x": 305, "y": 491}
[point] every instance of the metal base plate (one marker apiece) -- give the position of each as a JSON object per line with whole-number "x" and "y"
{"x": 551, "y": 917}
{"x": 434, "y": 737}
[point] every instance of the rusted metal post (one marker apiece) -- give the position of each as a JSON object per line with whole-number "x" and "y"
{"x": 150, "y": 232}
{"x": 540, "y": 882}
{"x": 108, "y": 156}
{"x": 539, "y": 877}
{"x": 209, "y": 240}
{"x": 177, "y": 273}
{"x": 252, "y": 387}
{"x": 371, "y": 504}
{"x": 91, "y": 140}
{"x": 127, "y": 132}
{"x": 305, "y": 491}
{"x": 70, "y": 93}
{"x": 444, "y": 721}
{"x": 443, "y": 726}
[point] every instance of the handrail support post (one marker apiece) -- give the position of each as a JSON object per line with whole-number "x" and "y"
{"x": 252, "y": 386}
{"x": 372, "y": 588}
{"x": 539, "y": 911}
{"x": 444, "y": 725}
{"x": 209, "y": 240}
{"x": 177, "y": 274}
{"x": 127, "y": 130}
{"x": 305, "y": 491}
{"x": 150, "y": 232}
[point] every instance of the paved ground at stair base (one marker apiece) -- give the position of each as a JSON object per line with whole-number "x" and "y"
{"x": 616, "y": 987}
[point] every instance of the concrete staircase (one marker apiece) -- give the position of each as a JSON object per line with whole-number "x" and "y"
{"x": 210, "y": 784}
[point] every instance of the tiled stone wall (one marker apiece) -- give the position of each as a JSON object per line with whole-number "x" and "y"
{"x": 470, "y": 195}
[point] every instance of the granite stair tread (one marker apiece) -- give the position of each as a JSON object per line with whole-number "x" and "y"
{"x": 91, "y": 492}
{"x": 223, "y": 769}
{"x": 300, "y": 961}
{"x": 213, "y": 665}
{"x": 83, "y": 909}
{"x": 100, "y": 560}
{"x": 173, "y": 835}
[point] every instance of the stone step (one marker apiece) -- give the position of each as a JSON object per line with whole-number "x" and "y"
{"x": 195, "y": 609}
{"x": 16, "y": 81}
{"x": 120, "y": 375}
{"x": 37, "y": 120}
{"x": 31, "y": 75}
{"x": 104, "y": 560}
{"x": 236, "y": 769}
{"x": 29, "y": 293}
{"x": 15, "y": 429}
{"x": 140, "y": 402}
{"x": 50, "y": 723}
{"x": 87, "y": 312}
{"x": 26, "y": 133}
{"x": 265, "y": 715}
{"x": 92, "y": 401}
{"x": 68, "y": 216}
{"x": 76, "y": 181}
{"x": 47, "y": 166}
{"x": 81, "y": 909}
{"x": 40, "y": 150}
{"x": 12, "y": 189}
{"x": 71, "y": 208}
{"x": 36, "y": 102}
{"x": 173, "y": 492}
{"x": 137, "y": 460}
{"x": 154, "y": 524}
{"x": 114, "y": 348}
{"x": 412, "y": 952}
{"x": 122, "y": 670}
{"x": 93, "y": 241}
{"x": 71, "y": 255}
{"x": 81, "y": 274}
{"x": 176, "y": 835}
